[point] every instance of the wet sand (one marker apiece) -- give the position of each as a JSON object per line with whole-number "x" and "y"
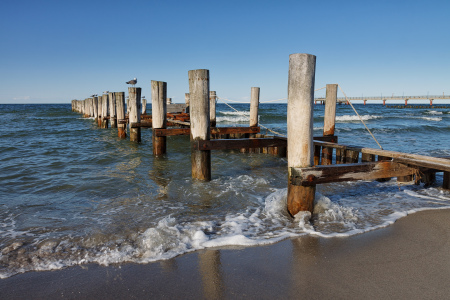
{"x": 407, "y": 260}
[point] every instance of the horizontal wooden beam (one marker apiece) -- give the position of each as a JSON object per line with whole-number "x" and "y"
{"x": 178, "y": 122}
{"x": 141, "y": 125}
{"x": 437, "y": 163}
{"x": 348, "y": 172}
{"x": 318, "y": 139}
{"x": 238, "y": 144}
{"x": 234, "y": 130}
{"x": 214, "y": 130}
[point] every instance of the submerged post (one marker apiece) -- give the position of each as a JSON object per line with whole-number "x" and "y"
{"x": 159, "y": 119}
{"x": 105, "y": 104}
{"x": 134, "y": 94}
{"x": 112, "y": 110}
{"x": 200, "y": 126}
{"x": 212, "y": 108}
{"x": 120, "y": 107}
{"x": 300, "y": 128}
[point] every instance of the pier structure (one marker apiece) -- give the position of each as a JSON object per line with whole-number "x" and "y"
{"x": 311, "y": 160}
{"x": 344, "y": 100}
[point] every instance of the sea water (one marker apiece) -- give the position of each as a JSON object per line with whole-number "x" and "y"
{"x": 71, "y": 193}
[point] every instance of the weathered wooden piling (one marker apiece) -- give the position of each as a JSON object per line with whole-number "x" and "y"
{"x": 329, "y": 121}
{"x": 91, "y": 107}
{"x": 254, "y": 105}
{"x": 120, "y": 108}
{"x": 200, "y": 126}
{"x": 95, "y": 106}
{"x": 100, "y": 108}
{"x": 134, "y": 94}
{"x": 112, "y": 110}
{"x": 300, "y": 128}
{"x": 105, "y": 104}
{"x": 144, "y": 106}
{"x": 159, "y": 115}
{"x": 212, "y": 108}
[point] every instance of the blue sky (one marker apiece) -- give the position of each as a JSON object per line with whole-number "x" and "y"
{"x": 56, "y": 51}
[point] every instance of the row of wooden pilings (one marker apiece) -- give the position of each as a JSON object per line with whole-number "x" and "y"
{"x": 299, "y": 121}
{"x": 304, "y": 151}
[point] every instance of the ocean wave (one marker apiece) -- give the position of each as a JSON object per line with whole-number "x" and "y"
{"x": 233, "y": 119}
{"x": 434, "y": 112}
{"x": 437, "y": 119}
{"x": 353, "y": 118}
{"x": 235, "y": 113}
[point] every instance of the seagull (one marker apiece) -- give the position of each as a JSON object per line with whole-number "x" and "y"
{"x": 132, "y": 82}
{"x": 105, "y": 92}
{"x": 94, "y": 95}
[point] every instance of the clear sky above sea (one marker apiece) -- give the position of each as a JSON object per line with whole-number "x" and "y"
{"x": 56, "y": 51}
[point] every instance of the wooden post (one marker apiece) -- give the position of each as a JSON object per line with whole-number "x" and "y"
{"x": 329, "y": 121}
{"x": 105, "y": 104}
{"x": 212, "y": 108}
{"x": 187, "y": 100}
{"x": 300, "y": 128}
{"x": 134, "y": 94}
{"x": 112, "y": 110}
{"x": 381, "y": 158}
{"x": 144, "y": 106}
{"x": 95, "y": 104}
{"x": 254, "y": 105}
{"x": 128, "y": 105}
{"x": 120, "y": 108}
{"x": 200, "y": 126}
{"x": 91, "y": 107}
{"x": 100, "y": 107}
{"x": 159, "y": 115}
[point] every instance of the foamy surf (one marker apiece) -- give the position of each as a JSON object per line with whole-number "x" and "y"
{"x": 341, "y": 215}
{"x": 355, "y": 118}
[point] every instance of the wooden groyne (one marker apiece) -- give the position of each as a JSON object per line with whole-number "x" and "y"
{"x": 311, "y": 160}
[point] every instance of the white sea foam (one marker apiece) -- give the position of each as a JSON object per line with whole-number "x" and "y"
{"x": 434, "y": 112}
{"x": 233, "y": 119}
{"x": 235, "y": 113}
{"x": 354, "y": 118}
{"x": 256, "y": 225}
{"x": 437, "y": 119}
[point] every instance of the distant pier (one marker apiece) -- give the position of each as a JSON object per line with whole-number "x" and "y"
{"x": 430, "y": 98}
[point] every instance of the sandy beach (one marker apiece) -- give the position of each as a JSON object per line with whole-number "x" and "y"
{"x": 408, "y": 260}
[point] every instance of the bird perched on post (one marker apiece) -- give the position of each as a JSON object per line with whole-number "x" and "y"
{"x": 132, "y": 82}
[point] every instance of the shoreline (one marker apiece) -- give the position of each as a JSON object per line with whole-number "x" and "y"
{"x": 408, "y": 259}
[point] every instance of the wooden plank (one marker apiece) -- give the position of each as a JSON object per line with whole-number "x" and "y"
{"x": 179, "y": 122}
{"x": 238, "y": 144}
{"x": 319, "y": 139}
{"x": 141, "y": 125}
{"x": 437, "y": 163}
{"x": 348, "y": 172}
{"x": 216, "y": 130}
{"x": 172, "y": 131}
